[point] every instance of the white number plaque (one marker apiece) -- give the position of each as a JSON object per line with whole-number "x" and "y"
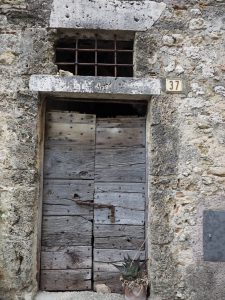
{"x": 174, "y": 86}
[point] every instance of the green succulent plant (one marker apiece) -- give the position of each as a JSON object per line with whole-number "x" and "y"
{"x": 131, "y": 269}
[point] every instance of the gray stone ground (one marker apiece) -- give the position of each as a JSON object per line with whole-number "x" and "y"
{"x": 77, "y": 296}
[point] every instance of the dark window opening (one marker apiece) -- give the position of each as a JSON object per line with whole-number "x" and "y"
{"x": 95, "y": 57}
{"x": 101, "y": 109}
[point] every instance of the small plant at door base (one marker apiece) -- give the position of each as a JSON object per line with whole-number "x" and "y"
{"x": 134, "y": 278}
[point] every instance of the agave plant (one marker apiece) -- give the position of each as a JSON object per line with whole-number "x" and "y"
{"x": 131, "y": 269}
{"x": 134, "y": 278}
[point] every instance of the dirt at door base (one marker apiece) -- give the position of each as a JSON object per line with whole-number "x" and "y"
{"x": 77, "y": 296}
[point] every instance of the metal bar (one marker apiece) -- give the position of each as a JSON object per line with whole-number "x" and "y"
{"x": 93, "y": 50}
{"x": 115, "y": 56}
{"x": 65, "y": 63}
{"x": 96, "y": 56}
{"x": 95, "y": 64}
{"x": 76, "y": 58}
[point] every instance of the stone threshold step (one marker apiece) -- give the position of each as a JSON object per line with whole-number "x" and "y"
{"x": 77, "y": 296}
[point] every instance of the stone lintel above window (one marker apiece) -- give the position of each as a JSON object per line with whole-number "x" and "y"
{"x": 132, "y": 15}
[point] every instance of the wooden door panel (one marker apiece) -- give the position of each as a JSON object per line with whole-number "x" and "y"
{"x": 120, "y": 157}
{"x": 69, "y": 162}
{"x": 121, "y": 122}
{"x": 66, "y": 257}
{"x": 119, "y": 210}
{"x": 128, "y": 208}
{"x": 119, "y": 137}
{"x": 70, "y": 127}
{"x": 60, "y": 197}
{"x": 94, "y": 196}
{"x": 71, "y": 133}
{"x": 66, "y": 230}
{"x": 66, "y": 280}
{"x": 120, "y": 175}
{"x": 68, "y": 189}
{"x": 134, "y": 201}
{"x": 66, "y": 253}
{"x": 119, "y": 187}
{"x": 119, "y": 237}
{"x": 67, "y": 117}
{"x": 120, "y": 165}
{"x": 122, "y": 216}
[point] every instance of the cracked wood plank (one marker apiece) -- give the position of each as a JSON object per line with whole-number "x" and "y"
{"x": 60, "y": 197}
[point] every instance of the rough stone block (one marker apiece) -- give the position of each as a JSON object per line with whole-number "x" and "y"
{"x": 112, "y": 14}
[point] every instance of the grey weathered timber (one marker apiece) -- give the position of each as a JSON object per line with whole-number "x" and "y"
{"x": 127, "y": 208}
{"x": 115, "y": 255}
{"x": 134, "y": 201}
{"x": 70, "y": 127}
{"x": 69, "y": 162}
{"x": 94, "y": 195}
{"x": 122, "y": 216}
{"x": 68, "y": 189}
{"x": 67, "y": 226}
{"x": 119, "y": 137}
{"x": 71, "y": 132}
{"x": 66, "y": 257}
{"x": 120, "y": 165}
{"x": 66, "y": 230}
{"x": 119, "y": 211}
{"x": 119, "y": 157}
{"x": 66, "y": 280}
{"x": 121, "y": 122}
{"x": 60, "y": 197}
{"x": 125, "y": 237}
{"x": 69, "y": 117}
{"x": 130, "y": 131}
{"x": 122, "y": 174}
{"x": 120, "y": 187}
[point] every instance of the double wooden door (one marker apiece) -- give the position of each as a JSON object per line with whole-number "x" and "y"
{"x": 93, "y": 200}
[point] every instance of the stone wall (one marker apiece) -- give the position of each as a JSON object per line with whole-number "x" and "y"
{"x": 187, "y": 143}
{"x": 25, "y": 49}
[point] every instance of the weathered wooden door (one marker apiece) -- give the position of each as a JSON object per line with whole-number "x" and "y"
{"x": 94, "y": 199}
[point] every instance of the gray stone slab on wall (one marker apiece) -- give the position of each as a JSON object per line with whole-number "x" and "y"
{"x": 214, "y": 235}
{"x": 95, "y": 85}
{"x": 105, "y": 14}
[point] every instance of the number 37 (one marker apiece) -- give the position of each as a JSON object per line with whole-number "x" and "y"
{"x": 174, "y": 85}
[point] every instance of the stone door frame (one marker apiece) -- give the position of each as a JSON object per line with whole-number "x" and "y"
{"x": 93, "y": 88}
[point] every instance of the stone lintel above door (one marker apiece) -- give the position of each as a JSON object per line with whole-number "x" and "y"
{"x": 96, "y": 87}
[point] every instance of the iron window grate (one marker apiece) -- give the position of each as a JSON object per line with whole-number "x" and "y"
{"x": 96, "y": 57}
